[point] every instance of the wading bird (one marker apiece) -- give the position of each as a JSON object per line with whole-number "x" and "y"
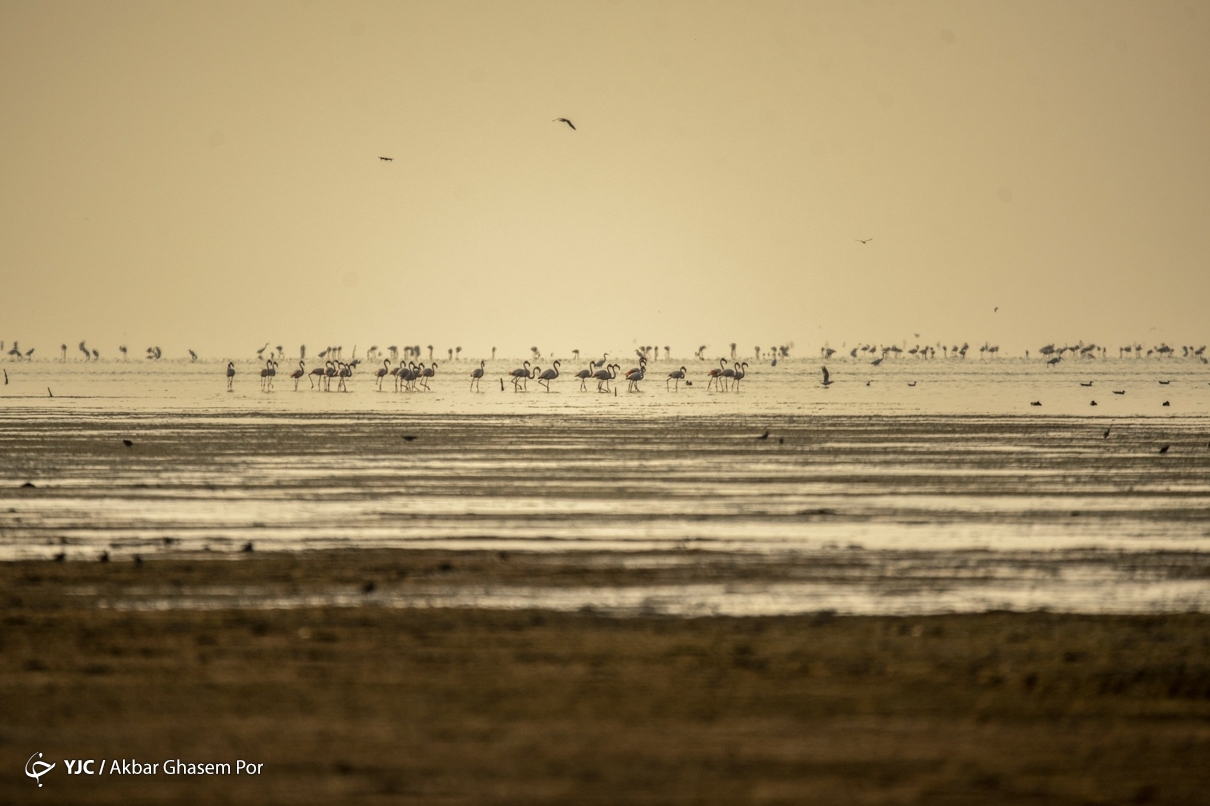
{"x": 677, "y": 375}
{"x": 298, "y": 373}
{"x": 584, "y": 375}
{"x": 827, "y": 379}
{"x": 477, "y": 375}
{"x": 549, "y": 375}
{"x": 634, "y": 376}
{"x": 604, "y": 376}
{"x": 520, "y": 374}
{"x": 382, "y": 373}
{"x": 230, "y": 374}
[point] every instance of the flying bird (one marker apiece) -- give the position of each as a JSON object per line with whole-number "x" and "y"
{"x": 565, "y": 120}
{"x": 387, "y": 159}
{"x": 863, "y": 240}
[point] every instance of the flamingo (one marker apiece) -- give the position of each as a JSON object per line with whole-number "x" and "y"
{"x": 382, "y": 373}
{"x": 728, "y": 374}
{"x": 346, "y": 372}
{"x": 584, "y": 375}
{"x": 678, "y": 375}
{"x": 408, "y": 376}
{"x": 741, "y": 370}
{"x": 549, "y": 375}
{"x": 715, "y": 375}
{"x": 317, "y": 371}
{"x": 519, "y": 373}
{"x": 329, "y": 374}
{"x": 298, "y": 373}
{"x": 477, "y": 375}
{"x": 427, "y": 373}
{"x": 604, "y": 376}
{"x": 599, "y": 364}
{"x": 230, "y": 374}
{"x": 265, "y": 374}
{"x": 636, "y": 375}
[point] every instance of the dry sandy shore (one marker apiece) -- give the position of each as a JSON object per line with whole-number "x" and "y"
{"x": 374, "y": 704}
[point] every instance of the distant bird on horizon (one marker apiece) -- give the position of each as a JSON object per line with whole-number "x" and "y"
{"x": 863, "y": 240}
{"x": 565, "y": 120}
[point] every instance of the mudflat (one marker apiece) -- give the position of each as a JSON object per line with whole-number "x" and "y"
{"x": 363, "y": 700}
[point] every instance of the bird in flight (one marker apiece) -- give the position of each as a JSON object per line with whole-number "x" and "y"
{"x": 995, "y": 309}
{"x": 387, "y": 159}
{"x": 565, "y": 120}
{"x": 863, "y": 240}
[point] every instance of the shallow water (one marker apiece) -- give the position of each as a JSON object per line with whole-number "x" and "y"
{"x": 959, "y": 463}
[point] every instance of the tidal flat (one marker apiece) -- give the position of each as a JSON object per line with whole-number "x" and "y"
{"x": 377, "y": 703}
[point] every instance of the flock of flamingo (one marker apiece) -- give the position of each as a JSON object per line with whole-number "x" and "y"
{"x": 413, "y": 377}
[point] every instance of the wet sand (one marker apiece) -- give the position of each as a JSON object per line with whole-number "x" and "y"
{"x": 375, "y": 703}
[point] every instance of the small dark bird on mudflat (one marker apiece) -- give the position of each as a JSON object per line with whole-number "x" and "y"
{"x": 247, "y": 549}
{"x": 1107, "y": 432}
{"x": 1036, "y": 403}
{"x": 128, "y": 443}
{"x": 1164, "y": 449}
{"x": 1085, "y": 384}
{"x": 1093, "y": 403}
{"x": 1166, "y": 403}
{"x": 764, "y": 435}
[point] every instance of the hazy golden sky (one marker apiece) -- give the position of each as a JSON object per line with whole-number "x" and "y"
{"x": 206, "y": 175}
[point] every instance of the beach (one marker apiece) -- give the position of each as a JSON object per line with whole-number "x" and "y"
{"x": 376, "y": 703}
{"x": 785, "y": 594}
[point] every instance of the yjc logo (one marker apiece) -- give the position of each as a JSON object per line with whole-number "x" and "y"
{"x": 39, "y": 768}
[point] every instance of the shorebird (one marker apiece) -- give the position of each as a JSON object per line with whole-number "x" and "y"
{"x": 584, "y": 375}
{"x": 522, "y": 373}
{"x": 549, "y": 375}
{"x": 604, "y": 376}
{"x": 741, "y": 370}
{"x": 565, "y": 120}
{"x": 426, "y": 373}
{"x": 634, "y": 376}
{"x": 678, "y": 375}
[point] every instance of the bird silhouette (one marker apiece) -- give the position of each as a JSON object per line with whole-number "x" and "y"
{"x": 827, "y": 379}
{"x": 565, "y": 120}
{"x": 387, "y": 159}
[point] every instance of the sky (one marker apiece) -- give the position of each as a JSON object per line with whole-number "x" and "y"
{"x": 206, "y": 175}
